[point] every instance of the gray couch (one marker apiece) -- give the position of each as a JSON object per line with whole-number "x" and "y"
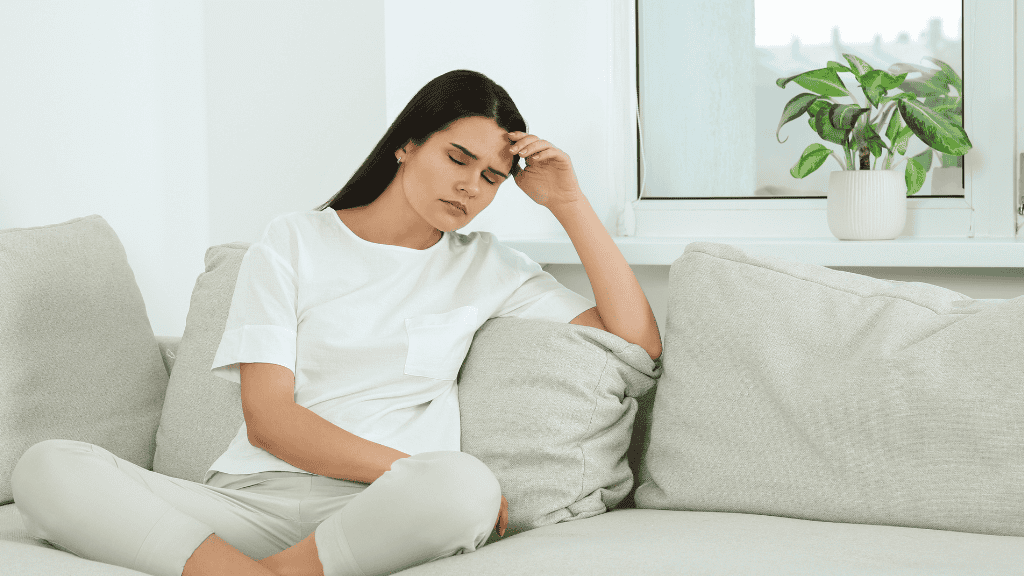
{"x": 800, "y": 421}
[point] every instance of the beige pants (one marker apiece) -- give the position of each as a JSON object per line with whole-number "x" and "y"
{"x": 87, "y": 501}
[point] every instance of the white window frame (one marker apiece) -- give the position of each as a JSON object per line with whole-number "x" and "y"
{"x": 988, "y": 209}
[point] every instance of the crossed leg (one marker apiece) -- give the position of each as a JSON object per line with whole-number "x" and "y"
{"x": 428, "y": 506}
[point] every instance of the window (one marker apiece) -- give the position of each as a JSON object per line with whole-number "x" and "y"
{"x": 708, "y": 185}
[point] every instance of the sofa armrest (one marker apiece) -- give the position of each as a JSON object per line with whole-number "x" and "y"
{"x": 168, "y": 350}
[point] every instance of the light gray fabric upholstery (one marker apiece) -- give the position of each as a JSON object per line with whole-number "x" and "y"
{"x": 549, "y": 407}
{"x": 672, "y": 543}
{"x": 201, "y": 412}
{"x": 78, "y": 359}
{"x": 795, "y": 390}
{"x": 656, "y": 542}
{"x": 168, "y": 350}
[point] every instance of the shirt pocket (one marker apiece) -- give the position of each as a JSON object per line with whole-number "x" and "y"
{"x": 438, "y": 343}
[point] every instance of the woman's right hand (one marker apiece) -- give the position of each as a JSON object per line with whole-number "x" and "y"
{"x": 502, "y": 521}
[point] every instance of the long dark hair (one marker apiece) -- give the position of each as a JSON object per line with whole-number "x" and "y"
{"x": 443, "y": 100}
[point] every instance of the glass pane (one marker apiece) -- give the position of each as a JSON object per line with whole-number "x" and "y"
{"x": 794, "y": 36}
{"x": 710, "y": 105}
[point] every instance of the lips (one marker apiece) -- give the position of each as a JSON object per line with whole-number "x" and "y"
{"x": 458, "y": 205}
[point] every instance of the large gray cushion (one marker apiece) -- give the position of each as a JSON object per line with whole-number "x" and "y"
{"x": 78, "y": 359}
{"x": 549, "y": 407}
{"x": 796, "y": 390}
{"x": 201, "y": 413}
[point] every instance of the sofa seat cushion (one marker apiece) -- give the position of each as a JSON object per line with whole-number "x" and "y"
{"x": 25, "y": 560}
{"x": 654, "y": 542}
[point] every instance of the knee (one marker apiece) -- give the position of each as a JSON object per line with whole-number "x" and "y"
{"x": 463, "y": 488}
{"x": 43, "y": 464}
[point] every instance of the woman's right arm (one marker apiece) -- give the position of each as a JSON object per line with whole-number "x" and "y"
{"x": 301, "y": 437}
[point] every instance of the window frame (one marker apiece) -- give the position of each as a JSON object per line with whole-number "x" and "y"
{"x": 988, "y": 167}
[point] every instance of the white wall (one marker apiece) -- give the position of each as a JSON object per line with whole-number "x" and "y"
{"x": 295, "y": 104}
{"x": 102, "y": 112}
{"x": 555, "y": 61}
{"x": 194, "y": 122}
{"x": 183, "y": 123}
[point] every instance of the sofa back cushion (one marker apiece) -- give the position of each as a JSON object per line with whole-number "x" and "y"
{"x": 795, "y": 390}
{"x": 78, "y": 359}
{"x": 201, "y": 414}
{"x": 549, "y": 407}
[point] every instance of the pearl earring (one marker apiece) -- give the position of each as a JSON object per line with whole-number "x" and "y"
{"x": 399, "y": 160}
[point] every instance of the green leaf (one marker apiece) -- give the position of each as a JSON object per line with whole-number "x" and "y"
{"x": 920, "y": 89}
{"x": 824, "y": 81}
{"x": 794, "y": 109}
{"x": 844, "y": 116}
{"x": 823, "y": 126}
{"x": 900, "y": 96}
{"x": 858, "y": 66}
{"x": 874, "y": 142}
{"x": 895, "y": 125}
{"x": 924, "y": 159}
{"x": 812, "y": 159}
{"x": 914, "y": 176}
{"x": 899, "y": 144}
{"x": 949, "y": 75}
{"x": 874, "y": 83}
{"x": 894, "y": 82}
{"x": 956, "y": 119}
{"x": 818, "y": 105}
{"x": 934, "y": 129}
{"x": 877, "y": 79}
{"x": 837, "y": 66}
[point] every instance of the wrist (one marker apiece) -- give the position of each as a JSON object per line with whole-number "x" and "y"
{"x": 570, "y": 208}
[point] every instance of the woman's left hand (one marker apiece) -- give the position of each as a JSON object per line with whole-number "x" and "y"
{"x": 548, "y": 177}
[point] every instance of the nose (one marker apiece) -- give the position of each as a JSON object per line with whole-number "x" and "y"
{"x": 470, "y": 187}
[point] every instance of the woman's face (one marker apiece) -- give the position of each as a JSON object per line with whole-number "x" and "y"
{"x": 464, "y": 164}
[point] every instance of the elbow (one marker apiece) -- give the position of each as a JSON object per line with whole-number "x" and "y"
{"x": 255, "y": 433}
{"x": 254, "y": 437}
{"x": 654, "y": 351}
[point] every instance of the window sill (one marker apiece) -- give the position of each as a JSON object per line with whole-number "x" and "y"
{"x": 903, "y": 251}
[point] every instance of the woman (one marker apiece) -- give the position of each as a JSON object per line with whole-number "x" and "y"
{"x": 346, "y": 332}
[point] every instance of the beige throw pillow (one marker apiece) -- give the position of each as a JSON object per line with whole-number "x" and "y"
{"x": 795, "y": 390}
{"x": 78, "y": 359}
{"x": 201, "y": 415}
{"x": 549, "y": 407}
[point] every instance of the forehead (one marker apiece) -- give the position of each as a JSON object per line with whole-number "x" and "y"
{"x": 481, "y": 136}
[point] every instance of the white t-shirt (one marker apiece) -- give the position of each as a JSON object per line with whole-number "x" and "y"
{"x": 375, "y": 334}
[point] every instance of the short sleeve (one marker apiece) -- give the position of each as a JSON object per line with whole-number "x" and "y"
{"x": 539, "y": 296}
{"x": 261, "y": 324}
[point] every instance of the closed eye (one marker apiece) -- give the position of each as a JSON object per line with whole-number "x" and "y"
{"x": 463, "y": 164}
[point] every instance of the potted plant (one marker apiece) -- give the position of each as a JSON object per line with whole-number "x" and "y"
{"x": 867, "y": 200}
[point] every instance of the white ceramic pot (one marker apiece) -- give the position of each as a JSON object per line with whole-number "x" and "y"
{"x": 867, "y": 204}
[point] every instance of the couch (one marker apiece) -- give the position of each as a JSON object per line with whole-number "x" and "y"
{"x": 801, "y": 420}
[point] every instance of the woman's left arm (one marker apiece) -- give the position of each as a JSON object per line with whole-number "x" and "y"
{"x": 550, "y": 181}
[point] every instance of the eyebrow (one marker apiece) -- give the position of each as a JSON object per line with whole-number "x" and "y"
{"x": 473, "y": 156}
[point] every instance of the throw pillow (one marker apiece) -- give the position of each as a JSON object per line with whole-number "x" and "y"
{"x": 78, "y": 359}
{"x": 795, "y": 390}
{"x": 201, "y": 415}
{"x": 549, "y": 407}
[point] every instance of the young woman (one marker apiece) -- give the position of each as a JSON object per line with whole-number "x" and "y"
{"x": 346, "y": 332}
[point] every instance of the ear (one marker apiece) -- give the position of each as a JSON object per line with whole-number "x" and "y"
{"x": 406, "y": 150}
